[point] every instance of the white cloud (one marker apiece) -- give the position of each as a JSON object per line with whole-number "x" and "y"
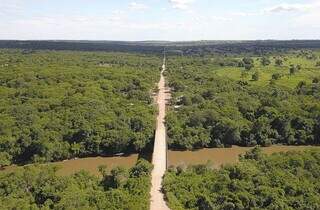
{"x": 9, "y": 7}
{"x": 116, "y": 15}
{"x": 203, "y": 19}
{"x": 289, "y": 8}
{"x": 311, "y": 17}
{"x": 246, "y": 14}
{"x": 297, "y": 21}
{"x": 137, "y": 6}
{"x": 281, "y": 8}
{"x": 220, "y": 18}
{"x": 181, "y": 4}
{"x": 305, "y": 15}
{"x": 115, "y": 26}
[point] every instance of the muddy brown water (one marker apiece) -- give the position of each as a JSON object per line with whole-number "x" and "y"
{"x": 217, "y": 156}
{"x": 91, "y": 165}
{"x": 222, "y": 156}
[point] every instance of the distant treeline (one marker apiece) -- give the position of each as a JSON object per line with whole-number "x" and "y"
{"x": 157, "y": 47}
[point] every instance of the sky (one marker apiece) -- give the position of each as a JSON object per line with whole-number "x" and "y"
{"x": 172, "y": 20}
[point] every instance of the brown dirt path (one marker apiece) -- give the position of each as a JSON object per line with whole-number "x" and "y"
{"x": 159, "y": 158}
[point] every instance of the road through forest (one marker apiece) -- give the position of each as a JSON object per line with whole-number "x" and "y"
{"x": 159, "y": 158}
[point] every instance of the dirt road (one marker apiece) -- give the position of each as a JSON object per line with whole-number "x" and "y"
{"x": 159, "y": 158}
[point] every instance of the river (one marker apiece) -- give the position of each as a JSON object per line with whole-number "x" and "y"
{"x": 222, "y": 156}
{"x": 91, "y": 164}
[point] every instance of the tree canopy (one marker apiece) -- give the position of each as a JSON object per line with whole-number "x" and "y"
{"x": 209, "y": 110}
{"x": 280, "y": 181}
{"x": 38, "y": 187}
{"x": 60, "y": 105}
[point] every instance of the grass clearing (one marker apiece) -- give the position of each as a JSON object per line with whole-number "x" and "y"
{"x": 307, "y": 73}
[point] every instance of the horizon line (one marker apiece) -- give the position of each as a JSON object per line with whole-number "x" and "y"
{"x": 204, "y": 40}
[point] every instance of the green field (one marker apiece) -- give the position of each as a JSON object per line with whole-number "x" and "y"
{"x": 308, "y": 72}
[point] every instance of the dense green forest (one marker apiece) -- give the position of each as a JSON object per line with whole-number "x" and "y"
{"x": 59, "y": 105}
{"x": 38, "y": 187}
{"x": 239, "y": 100}
{"x": 280, "y": 181}
{"x": 201, "y": 48}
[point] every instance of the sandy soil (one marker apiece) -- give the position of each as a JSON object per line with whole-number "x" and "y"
{"x": 159, "y": 158}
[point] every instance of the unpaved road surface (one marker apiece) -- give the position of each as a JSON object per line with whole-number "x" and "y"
{"x": 159, "y": 158}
